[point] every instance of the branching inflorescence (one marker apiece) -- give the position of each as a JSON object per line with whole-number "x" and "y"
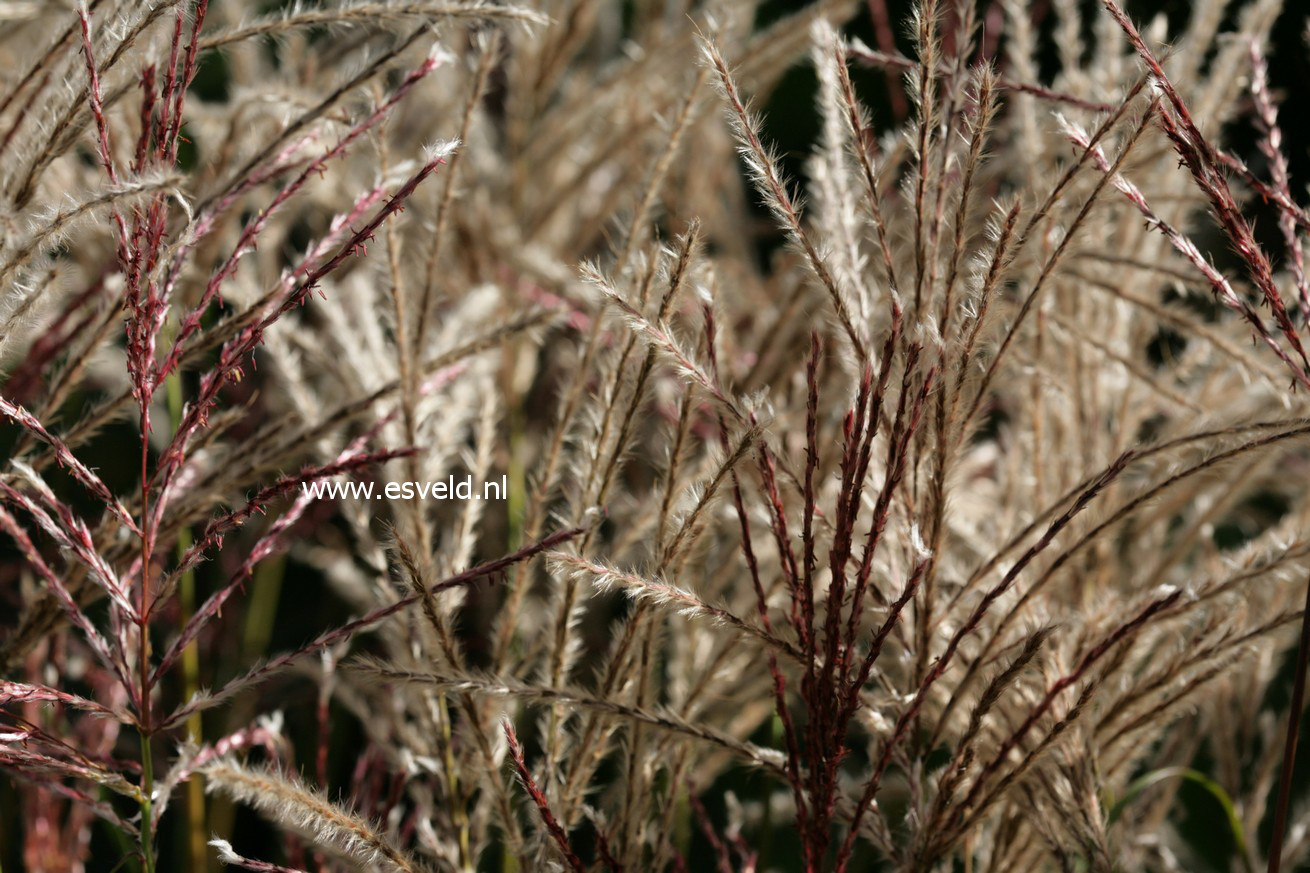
{"x": 939, "y": 507}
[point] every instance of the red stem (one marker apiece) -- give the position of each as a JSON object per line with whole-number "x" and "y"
{"x": 1289, "y": 749}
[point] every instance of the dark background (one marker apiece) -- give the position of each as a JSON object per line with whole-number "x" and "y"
{"x": 289, "y": 596}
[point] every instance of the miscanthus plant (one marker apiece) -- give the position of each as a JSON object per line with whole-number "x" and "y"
{"x": 938, "y": 507}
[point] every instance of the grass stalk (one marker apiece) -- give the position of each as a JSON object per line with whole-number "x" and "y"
{"x": 1290, "y": 742}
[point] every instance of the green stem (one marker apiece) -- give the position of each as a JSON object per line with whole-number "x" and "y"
{"x": 147, "y": 791}
{"x": 516, "y": 499}
{"x": 195, "y": 799}
{"x": 458, "y": 814}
